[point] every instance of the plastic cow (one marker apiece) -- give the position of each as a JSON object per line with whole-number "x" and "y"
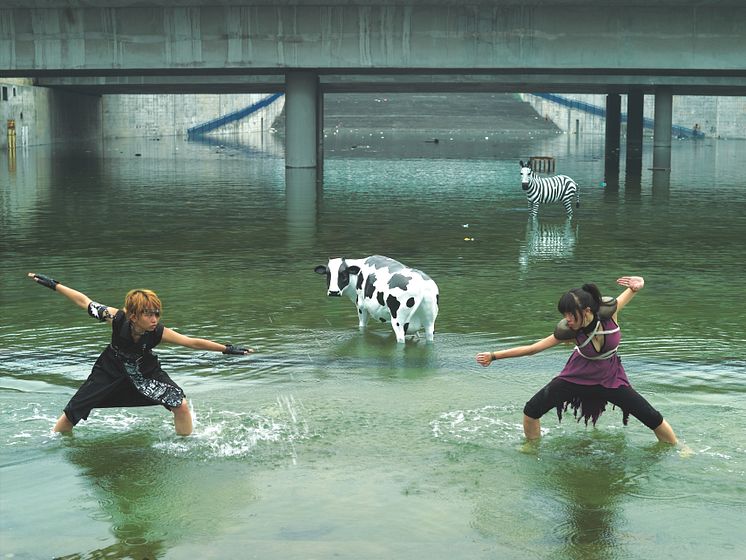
{"x": 386, "y": 290}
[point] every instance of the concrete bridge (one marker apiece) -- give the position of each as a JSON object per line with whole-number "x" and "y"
{"x": 306, "y": 48}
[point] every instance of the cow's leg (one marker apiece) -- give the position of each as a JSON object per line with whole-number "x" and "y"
{"x": 398, "y": 330}
{"x": 362, "y": 317}
{"x": 399, "y": 316}
{"x": 429, "y": 310}
{"x": 430, "y": 332}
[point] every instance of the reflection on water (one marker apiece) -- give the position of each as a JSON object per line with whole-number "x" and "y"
{"x": 146, "y": 495}
{"x": 251, "y": 145}
{"x": 589, "y": 478}
{"x": 344, "y": 441}
{"x": 302, "y": 191}
{"x": 547, "y": 241}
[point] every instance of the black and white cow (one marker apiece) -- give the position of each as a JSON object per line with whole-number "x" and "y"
{"x": 386, "y": 290}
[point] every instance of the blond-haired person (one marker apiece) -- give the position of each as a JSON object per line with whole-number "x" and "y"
{"x": 128, "y": 373}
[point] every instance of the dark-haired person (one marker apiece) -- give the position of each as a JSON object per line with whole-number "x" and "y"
{"x": 593, "y": 375}
{"x": 127, "y": 373}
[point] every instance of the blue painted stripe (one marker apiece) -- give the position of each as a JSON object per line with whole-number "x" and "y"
{"x": 232, "y": 117}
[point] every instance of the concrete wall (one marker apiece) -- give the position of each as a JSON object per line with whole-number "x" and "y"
{"x": 719, "y": 117}
{"x": 45, "y": 116}
{"x": 171, "y": 115}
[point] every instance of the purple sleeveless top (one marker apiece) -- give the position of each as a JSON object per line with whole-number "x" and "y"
{"x": 586, "y": 366}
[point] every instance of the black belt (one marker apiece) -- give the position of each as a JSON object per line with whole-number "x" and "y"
{"x": 134, "y": 358}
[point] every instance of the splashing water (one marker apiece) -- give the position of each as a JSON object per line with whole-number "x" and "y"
{"x": 228, "y": 434}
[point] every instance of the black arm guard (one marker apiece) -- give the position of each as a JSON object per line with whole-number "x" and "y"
{"x": 98, "y": 311}
{"x": 50, "y": 283}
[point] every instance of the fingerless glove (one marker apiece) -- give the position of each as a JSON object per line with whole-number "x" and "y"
{"x": 50, "y": 283}
{"x": 230, "y": 349}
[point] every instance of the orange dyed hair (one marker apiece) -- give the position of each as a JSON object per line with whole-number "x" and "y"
{"x": 136, "y": 301}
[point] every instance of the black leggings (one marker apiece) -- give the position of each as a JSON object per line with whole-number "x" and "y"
{"x": 559, "y": 393}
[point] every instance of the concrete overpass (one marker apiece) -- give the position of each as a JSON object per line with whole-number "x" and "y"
{"x": 310, "y": 47}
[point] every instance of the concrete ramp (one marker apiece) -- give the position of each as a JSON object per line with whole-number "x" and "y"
{"x": 223, "y": 120}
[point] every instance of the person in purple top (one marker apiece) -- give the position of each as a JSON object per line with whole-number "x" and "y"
{"x": 593, "y": 375}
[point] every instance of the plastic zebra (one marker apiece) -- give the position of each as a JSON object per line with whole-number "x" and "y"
{"x": 550, "y": 189}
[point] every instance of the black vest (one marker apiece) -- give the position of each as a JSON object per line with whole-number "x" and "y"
{"x": 125, "y": 347}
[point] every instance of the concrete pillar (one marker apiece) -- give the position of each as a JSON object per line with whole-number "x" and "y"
{"x": 301, "y": 200}
{"x": 662, "y": 129}
{"x": 635, "y": 102}
{"x": 301, "y": 119}
{"x": 613, "y": 130}
{"x": 320, "y": 137}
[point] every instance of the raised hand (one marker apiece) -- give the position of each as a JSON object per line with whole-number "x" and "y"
{"x": 634, "y": 283}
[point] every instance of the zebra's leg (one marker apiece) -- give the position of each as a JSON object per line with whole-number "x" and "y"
{"x": 568, "y": 206}
{"x": 533, "y": 209}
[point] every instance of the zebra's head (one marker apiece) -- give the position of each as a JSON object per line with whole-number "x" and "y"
{"x": 526, "y": 174}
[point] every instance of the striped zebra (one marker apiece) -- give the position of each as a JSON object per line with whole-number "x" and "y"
{"x": 551, "y": 189}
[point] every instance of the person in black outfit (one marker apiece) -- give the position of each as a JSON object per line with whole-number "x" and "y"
{"x": 127, "y": 373}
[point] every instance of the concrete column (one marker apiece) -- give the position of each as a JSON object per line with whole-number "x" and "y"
{"x": 635, "y": 102}
{"x": 662, "y": 129}
{"x": 320, "y": 136}
{"x": 301, "y": 200}
{"x": 301, "y": 120}
{"x": 613, "y": 130}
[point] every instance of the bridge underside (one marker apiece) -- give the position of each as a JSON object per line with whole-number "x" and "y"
{"x": 306, "y": 48}
{"x": 703, "y": 82}
{"x": 230, "y": 46}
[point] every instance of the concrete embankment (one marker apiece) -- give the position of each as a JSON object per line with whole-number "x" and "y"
{"x": 715, "y": 117}
{"x": 434, "y": 113}
{"x": 47, "y": 116}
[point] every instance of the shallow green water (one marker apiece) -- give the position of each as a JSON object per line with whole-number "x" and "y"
{"x": 329, "y": 442}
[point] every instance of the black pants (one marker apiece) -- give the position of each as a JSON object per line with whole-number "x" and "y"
{"x": 108, "y": 388}
{"x": 591, "y": 399}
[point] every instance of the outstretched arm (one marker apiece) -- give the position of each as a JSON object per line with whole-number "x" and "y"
{"x": 633, "y": 284}
{"x": 78, "y": 298}
{"x": 171, "y": 336}
{"x": 486, "y": 358}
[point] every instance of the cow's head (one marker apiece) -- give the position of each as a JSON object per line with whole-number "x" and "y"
{"x": 338, "y": 274}
{"x": 526, "y": 173}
